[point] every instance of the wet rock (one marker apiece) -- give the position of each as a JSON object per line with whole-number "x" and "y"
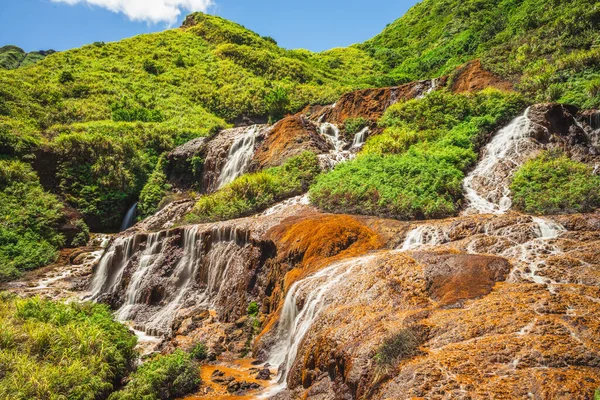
{"x": 234, "y": 387}
{"x": 456, "y": 277}
{"x": 181, "y": 169}
{"x": 558, "y": 122}
{"x": 264, "y": 374}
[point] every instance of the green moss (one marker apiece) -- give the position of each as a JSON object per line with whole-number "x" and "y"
{"x": 51, "y": 350}
{"x": 552, "y": 183}
{"x": 164, "y": 377}
{"x": 255, "y": 192}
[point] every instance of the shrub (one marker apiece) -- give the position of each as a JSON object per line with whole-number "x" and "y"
{"x": 254, "y": 192}
{"x": 122, "y": 112}
{"x": 52, "y": 350}
{"x": 597, "y": 395}
{"x": 153, "y": 192}
{"x": 253, "y": 309}
{"x": 199, "y": 352}
{"x": 66, "y": 77}
{"x": 552, "y": 183}
{"x": 593, "y": 87}
{"x": 397, "y": 347}
{"x": 179, "y": 61}
{"x": 29, "y": 221}
{"x": 270, "y": 40}
{"x": 355, "y": 125}
{"x": 152, "y": 68}
{"x": 277, "y": 102}
{"x": 164, "y": 377}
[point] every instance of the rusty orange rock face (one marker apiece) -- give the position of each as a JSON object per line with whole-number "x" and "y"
{"x": 472, "y": 77}
{"x": 288, "y": 138}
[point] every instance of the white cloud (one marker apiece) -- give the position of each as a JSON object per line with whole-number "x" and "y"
{"x": 147, "y": 10}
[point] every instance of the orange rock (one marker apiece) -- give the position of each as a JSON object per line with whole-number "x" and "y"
{"x": 471, "y": 77}
{"x": 290, "y": 137}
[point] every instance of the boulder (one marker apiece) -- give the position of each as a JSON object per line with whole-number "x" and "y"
{"x": 290, "y": 137}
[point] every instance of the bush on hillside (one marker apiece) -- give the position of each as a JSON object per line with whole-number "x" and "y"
{"x": 255, "y": 192}
{"x": 51, "y": 350}
{"x": 552, "y": 183}
{"x": 29, "y": 219}
{"x": 415, "y": 169}
{"x": 153, "y": 192}
{"x": 399, "y": 346}
{"x": 199, "y": 352}
{"x": 165, "y": 377}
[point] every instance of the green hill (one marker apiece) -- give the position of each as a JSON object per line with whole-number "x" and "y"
{"x": 551, "y": 48}
{"x": 94, "y": 121}
{"x": 13, "y": 57}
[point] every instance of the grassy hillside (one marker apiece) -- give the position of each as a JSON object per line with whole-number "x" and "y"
{"x": 13, "y": 57}
{"x": 551, "y": 48}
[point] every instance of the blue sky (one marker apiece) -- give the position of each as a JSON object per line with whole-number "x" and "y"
{"x": 312, "y": 24}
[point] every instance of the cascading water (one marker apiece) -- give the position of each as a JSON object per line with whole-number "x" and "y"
{"x": 179, "y": 283}
{"x": 111, "y": 266}
{"x": 360, "y": 138}
{"x": 240, "y": 155}
{"x": 209, "y": 262}
{"x": 340, "y": 149}
{"x": 317, "y": 291}
{"x": 424, "y": 235}
{"x": 147, "y": 258}
{"x": 487, "y": 186}
{"x": 129, "y": 219}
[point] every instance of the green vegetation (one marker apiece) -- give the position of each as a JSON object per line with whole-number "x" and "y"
{"x": 416, "y": 167}
{"x": 255, "y": 192}
{"x": 13, "y": 57}
{"x": 253, "y": 309}
{"x": 199, "y": 352}
{"x": 597, "y": 395}
{"x": 29, "y": 218}
{"x": 552, "y": 183}
{"x": 154, "y": 191}
{"x": 354, "y": 125}
{"x": 106, "y": 112}
{"x": 397, "y": 347}
{"x": 51, "y": 350}
{"x": 164, "y": 377}
{"x": 538, "y": 43}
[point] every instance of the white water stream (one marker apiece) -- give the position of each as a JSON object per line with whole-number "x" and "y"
{"x": 240, "y": 155}
{"x": 487, "y": 186}
{"x": 317, "y": 292}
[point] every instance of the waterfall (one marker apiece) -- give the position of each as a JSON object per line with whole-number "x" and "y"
{"x": 180, "y": 282}
{"x": 129, "y": 219}
{"x": 423, "y": 235}
{"x": 317, "y": 291}
{"x": 240, "y": 155}
{"x": 111, "y": 266}
{"x": 548, "y": 229}
{"x": 487, "y": 186}
{"x": 360, "y": 138}
{"x": 134, "y": 289}
{"x": 337, "y": 154}
{"x": 156, "y": 287}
